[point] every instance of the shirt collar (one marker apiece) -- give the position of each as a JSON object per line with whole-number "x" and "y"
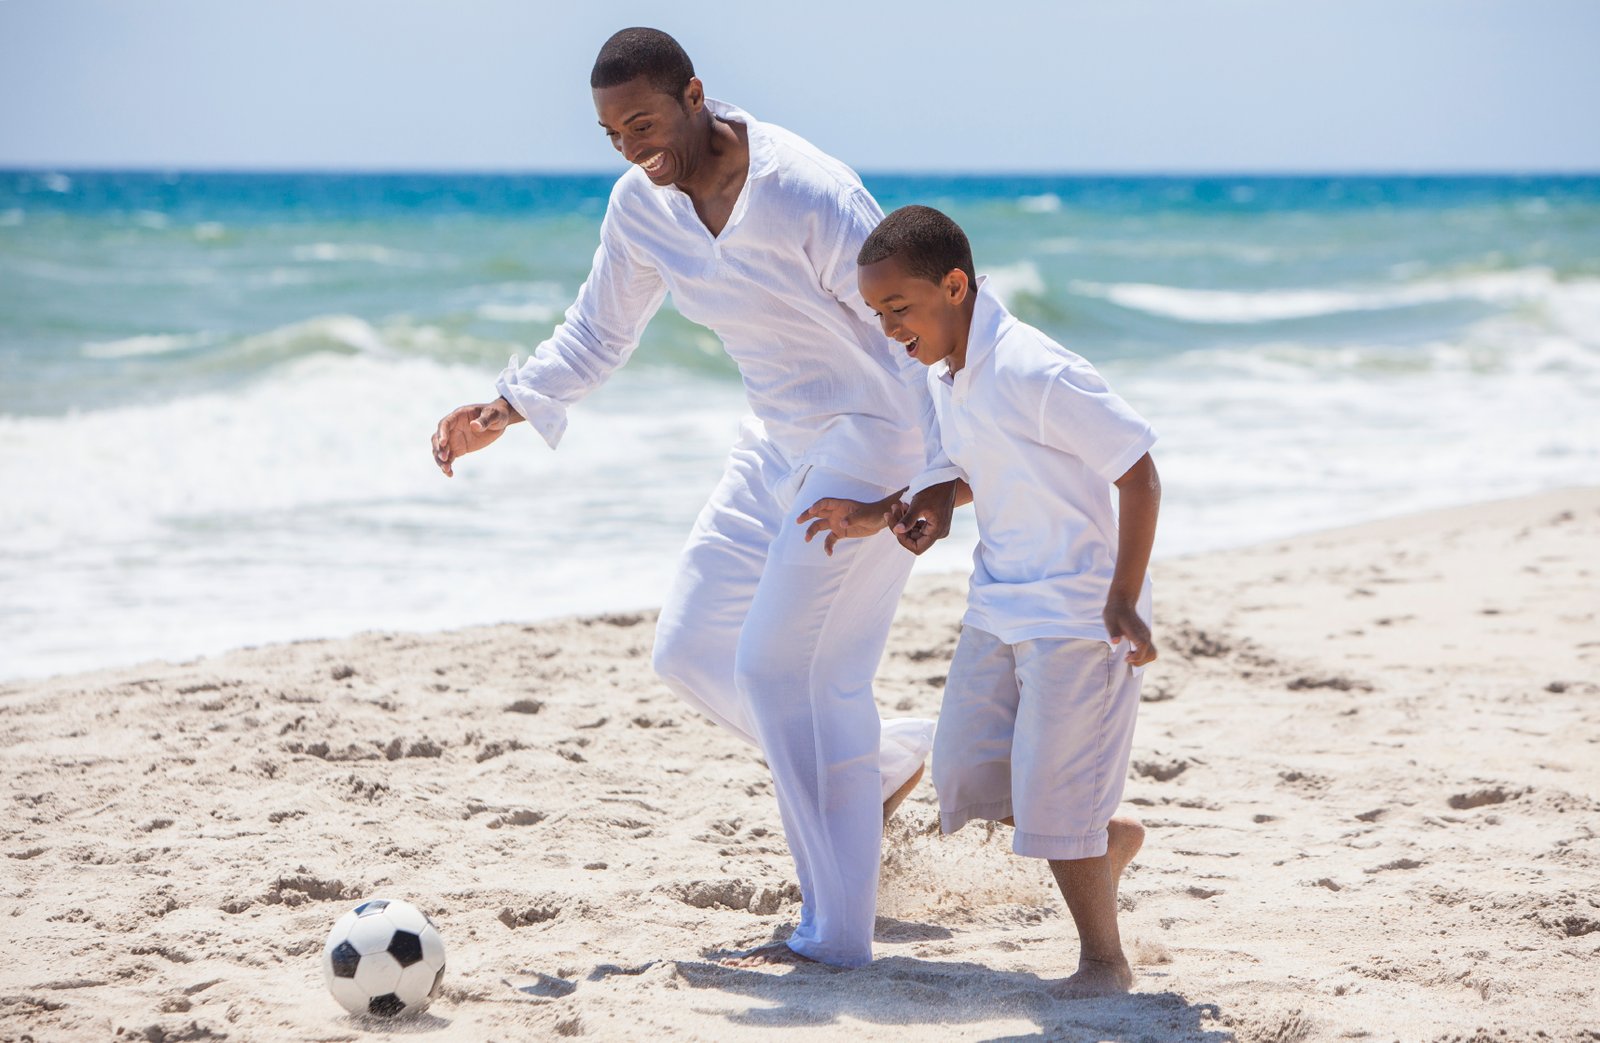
{"x": 990, "y": 320}
{"x": 763, "y": 151}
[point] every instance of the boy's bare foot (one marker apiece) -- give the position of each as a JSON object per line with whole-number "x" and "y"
{"x": 1124, "y": 838}
{"x": 899, "y": 795}
{"x": 767, "y": 955}
{"x": 1095, "y": 978}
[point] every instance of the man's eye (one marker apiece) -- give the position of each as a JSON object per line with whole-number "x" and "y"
{"x": 640, "y": 128}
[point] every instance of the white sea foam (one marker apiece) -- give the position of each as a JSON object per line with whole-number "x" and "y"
{"x": 1048, "y": 203}
{"x": 148, "y": 344}
{"x": 313, "y": 489}
{"x": 1010, "y": 281}
{"x": 1237, "y": 307}
{"x": 369, "y": 252}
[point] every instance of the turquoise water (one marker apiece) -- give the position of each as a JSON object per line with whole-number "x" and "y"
{"x": 218, "y": 388}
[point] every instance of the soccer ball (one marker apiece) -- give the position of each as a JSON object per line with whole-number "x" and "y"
{"x": 385, "y": 958}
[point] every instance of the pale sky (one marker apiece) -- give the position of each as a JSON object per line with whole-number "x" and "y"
{"x": 901, "y": 85}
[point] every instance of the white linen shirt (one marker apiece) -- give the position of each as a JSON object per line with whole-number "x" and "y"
{"x": 777, "y": 286}
{"x": 1040, "y": 438}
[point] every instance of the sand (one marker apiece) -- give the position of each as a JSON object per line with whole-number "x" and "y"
{"x": 1369, "y": 761}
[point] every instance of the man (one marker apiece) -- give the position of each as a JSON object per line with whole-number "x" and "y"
{"x": 754, "y": 232}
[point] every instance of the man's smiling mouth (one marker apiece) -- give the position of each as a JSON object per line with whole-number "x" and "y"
{"x": 654, "y": 164}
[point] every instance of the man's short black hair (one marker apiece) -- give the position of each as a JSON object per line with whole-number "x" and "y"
{"x": 928, "y": 244}
{"x": 651, "y": 53}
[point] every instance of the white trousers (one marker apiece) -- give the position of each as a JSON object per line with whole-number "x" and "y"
{"x": 778, "y": 642}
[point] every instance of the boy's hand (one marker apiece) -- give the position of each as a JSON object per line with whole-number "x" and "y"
{"x": 926, "y": 519}
{"x": 1122, "y": 621}
{"x": 847, "y": 519}
{"x": 470, "y": 428}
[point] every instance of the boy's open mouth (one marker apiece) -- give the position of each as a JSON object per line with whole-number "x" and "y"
{"x": 911, "y": 345}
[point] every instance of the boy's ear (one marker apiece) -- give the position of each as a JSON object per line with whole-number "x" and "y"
{"x": 956, "y": 286}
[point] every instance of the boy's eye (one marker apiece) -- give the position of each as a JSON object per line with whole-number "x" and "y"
{"x": 900, "y": 310}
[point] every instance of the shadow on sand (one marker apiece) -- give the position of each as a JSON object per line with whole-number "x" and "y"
{"x": 903, "y": 990}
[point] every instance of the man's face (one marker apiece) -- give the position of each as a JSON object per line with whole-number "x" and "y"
{"x": 925, "y": 317}
{"x": 652, "y": 129}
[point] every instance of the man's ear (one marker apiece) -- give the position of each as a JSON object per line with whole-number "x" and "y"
{"x": 956, "y": 286}
{"x": 694, "y": 96}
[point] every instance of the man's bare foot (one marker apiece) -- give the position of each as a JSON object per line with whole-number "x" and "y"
{"x": 1124, "y": 838}
{"x": 898, "y": 796}
{"x": 1095, "y": 978}
{"x": 768, "y": 955}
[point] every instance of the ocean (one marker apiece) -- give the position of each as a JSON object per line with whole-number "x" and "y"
{"x": 218, "y": 389}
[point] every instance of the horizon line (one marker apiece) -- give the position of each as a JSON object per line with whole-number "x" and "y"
{"x": 1086, "y": 173}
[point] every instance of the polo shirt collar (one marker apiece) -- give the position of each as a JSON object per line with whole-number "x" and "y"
{"x": 989, "y": 322}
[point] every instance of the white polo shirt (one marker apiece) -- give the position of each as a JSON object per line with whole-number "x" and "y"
{"x": 1040, "y": 437}
{"x": 778, "y": 286}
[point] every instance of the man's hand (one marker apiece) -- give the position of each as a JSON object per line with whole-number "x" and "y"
{"x": 1122, "y": 621}
{"x": 847, "y": 519}
{"x": 925, "y": 521}
{"x": 470, "y": 428}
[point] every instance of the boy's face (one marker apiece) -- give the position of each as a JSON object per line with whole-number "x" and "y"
{"x": 652, "y": 129}
{"x": 926, "y": 317}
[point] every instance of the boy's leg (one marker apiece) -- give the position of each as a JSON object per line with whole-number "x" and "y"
{"x": 810, "y": 646}
{"x": 1070, "y": 762}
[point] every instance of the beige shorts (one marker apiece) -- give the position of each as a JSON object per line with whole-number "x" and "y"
{"x": 1039, "y": 731}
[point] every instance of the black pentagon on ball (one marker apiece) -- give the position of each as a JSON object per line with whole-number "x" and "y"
{"x": 344, "y": 959}
{"x": 405, "y": 947}
{"x": 377, "y": 905}
{"x": 385, "y": 1006}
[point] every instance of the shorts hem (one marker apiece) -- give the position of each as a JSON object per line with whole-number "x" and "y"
{"x": 950, "y": 821}
{"x": 1040, "y": 845}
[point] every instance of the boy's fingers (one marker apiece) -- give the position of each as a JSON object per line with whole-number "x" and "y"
{"x": 816, "y": 527}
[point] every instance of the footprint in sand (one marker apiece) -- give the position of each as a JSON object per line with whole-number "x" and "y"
{"x": 1487, "y": 795}
{"x": 1161, "y": 769}
{"x": 519, "y": 817}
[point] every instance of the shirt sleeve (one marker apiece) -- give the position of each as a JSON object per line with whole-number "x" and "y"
{"x": 598, "y": 334}
{"x": 1081, "y": 415}
{"x": 858, "y": 214}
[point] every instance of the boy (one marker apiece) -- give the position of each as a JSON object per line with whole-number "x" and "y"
{"x": 1037, "y": 721}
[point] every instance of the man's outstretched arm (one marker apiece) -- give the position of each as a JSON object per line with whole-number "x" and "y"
{"x": 597, "y": 336}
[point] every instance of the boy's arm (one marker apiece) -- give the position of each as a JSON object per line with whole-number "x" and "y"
{"x": 1139, "y": 500}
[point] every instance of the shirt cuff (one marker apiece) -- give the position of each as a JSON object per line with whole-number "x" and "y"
{"x": 937, "y": 476}
{"x": 543, "y": 413}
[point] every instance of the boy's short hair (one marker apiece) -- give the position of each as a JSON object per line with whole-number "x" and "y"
{"x": 928, "y": 244}
{"x": 635, "y": 52}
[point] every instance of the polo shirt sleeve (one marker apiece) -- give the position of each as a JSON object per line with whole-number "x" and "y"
{"x": 1081, "y": 415}
{"x": 854, "y": 218}
{"x": 599, "y": 333}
